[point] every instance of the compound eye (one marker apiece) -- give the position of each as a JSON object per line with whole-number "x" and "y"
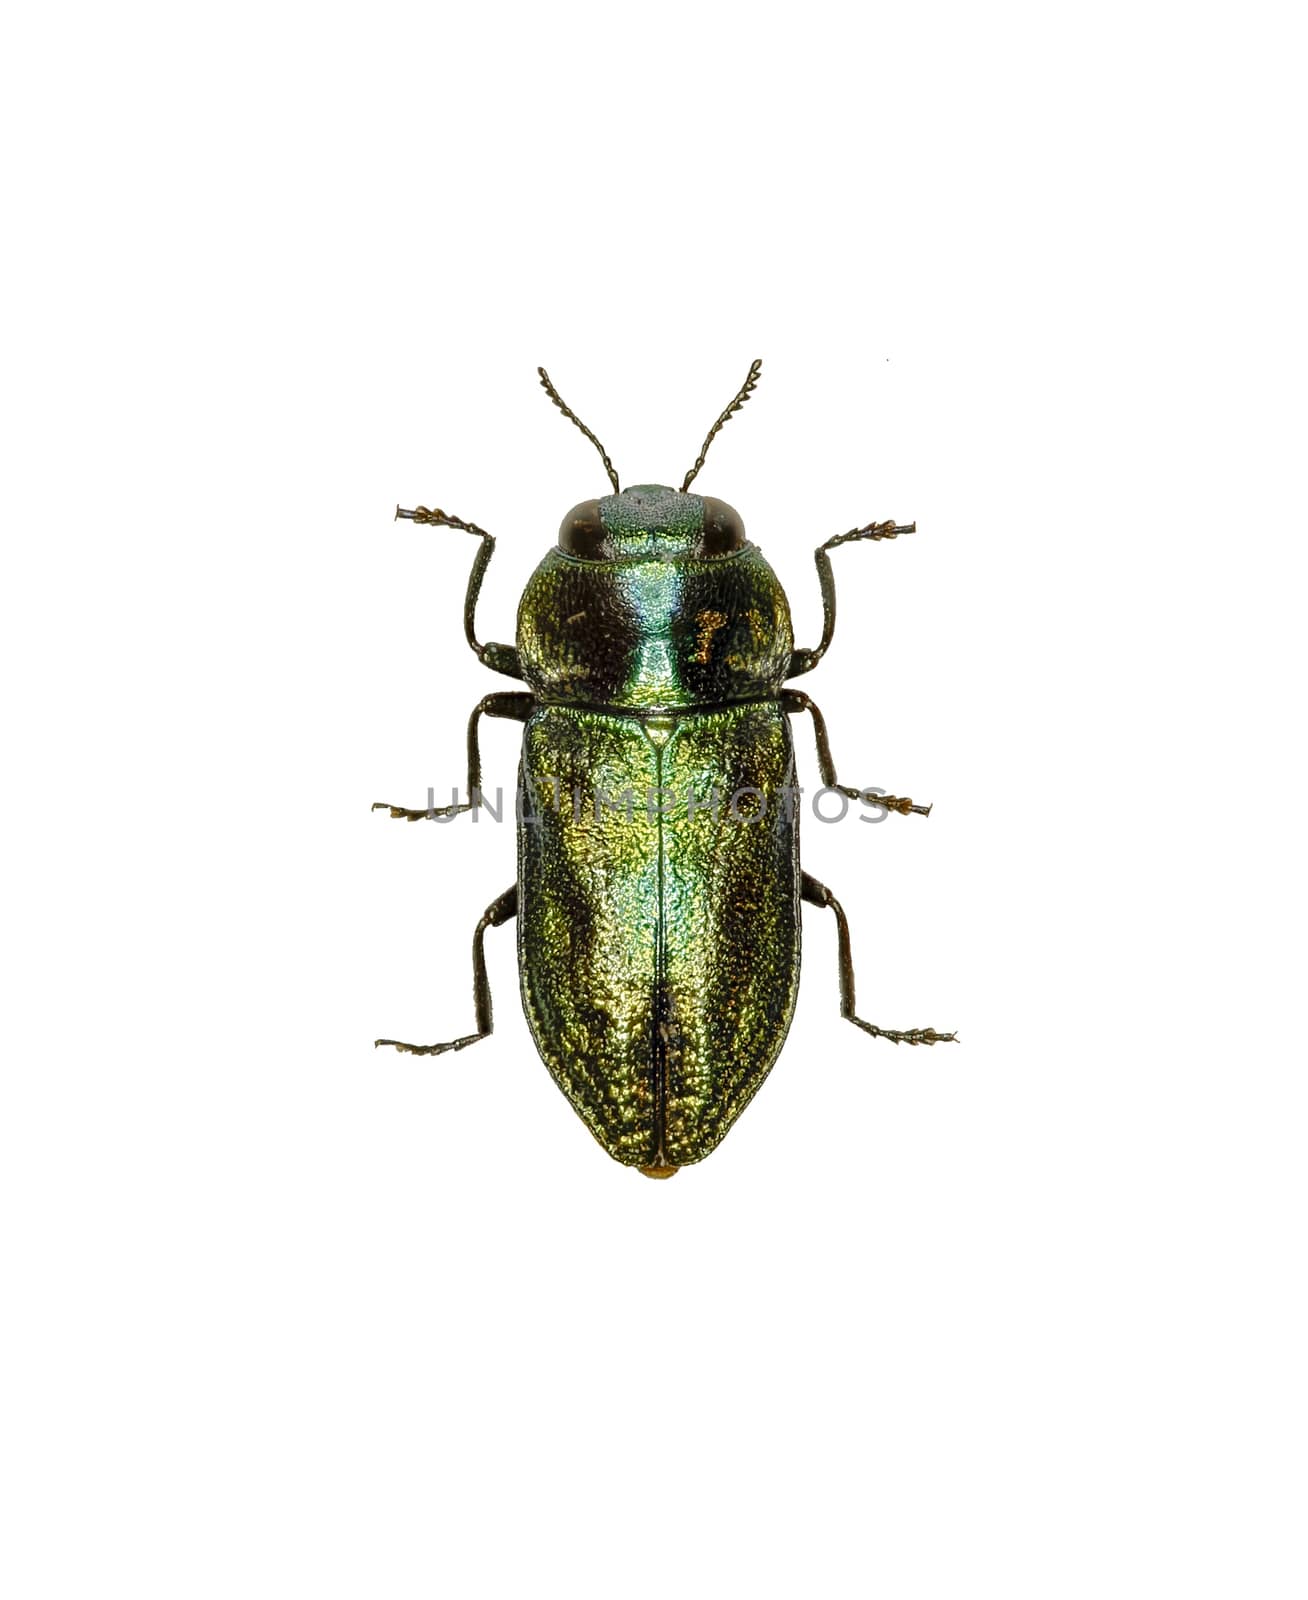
{"x": 582, "y": 534}
{"x": 723, "y": 529}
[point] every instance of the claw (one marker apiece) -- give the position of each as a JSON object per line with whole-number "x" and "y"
{"x": 418, "y": 816}
{"x": 906, "y": 1035}
{"x": 891, "y": 802}
{"x": 430, "y": 1049}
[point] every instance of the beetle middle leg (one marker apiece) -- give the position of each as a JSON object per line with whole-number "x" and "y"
{"x": 805, "y": 660}
{"x": 793, "y": 702}
{"x": 517, "y": 707}
{"x": 497, "y": 913}
{"x": 817, "y": 894}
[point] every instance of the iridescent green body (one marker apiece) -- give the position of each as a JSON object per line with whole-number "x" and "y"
{"x": 658, "y": 864}
{"x": 659, "y": 884}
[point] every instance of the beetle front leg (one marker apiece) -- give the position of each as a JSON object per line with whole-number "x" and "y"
{"x": 817, "y": 894}
{"x": 518, "y": 708}
{"x": 794, "y": 702}
{"x": 498, "y": 657}
{"x": 498, "y": 912}
{"x": 805, "y": 660}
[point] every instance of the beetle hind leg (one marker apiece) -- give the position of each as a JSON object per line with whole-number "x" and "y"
{"x": 817, "y": 894}
{"x": 496, "y": 914}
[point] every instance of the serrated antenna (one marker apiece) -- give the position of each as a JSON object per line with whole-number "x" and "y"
{"x": 572, "y": 416}
{"x": 746, "y": 389}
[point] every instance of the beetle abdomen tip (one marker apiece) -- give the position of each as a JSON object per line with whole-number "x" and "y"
{"x": 659, "y": 1172}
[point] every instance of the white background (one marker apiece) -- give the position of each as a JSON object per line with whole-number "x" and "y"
{"x": 1021, "y": 1317}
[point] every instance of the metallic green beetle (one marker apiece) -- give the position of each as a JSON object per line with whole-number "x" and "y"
{"x": 659, "y": 881}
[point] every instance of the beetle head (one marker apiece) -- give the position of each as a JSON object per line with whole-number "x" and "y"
{"x": 651, "y": 522}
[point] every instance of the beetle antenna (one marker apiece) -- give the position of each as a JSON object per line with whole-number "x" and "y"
{"x": 746, "y": 389}
{"x": 572, "y": 416}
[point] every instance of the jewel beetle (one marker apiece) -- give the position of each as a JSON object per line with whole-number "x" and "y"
{"x": 659, "y": 880}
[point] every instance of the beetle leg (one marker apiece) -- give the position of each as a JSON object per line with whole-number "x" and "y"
{"x": 516, "y": 707}
{"x": 806, "y": 660}
{"x": 498, "y": 912}
{"x": 498, "y": 657}
{"x": 817, "y": 894}
{"x": 793, "y": 702}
